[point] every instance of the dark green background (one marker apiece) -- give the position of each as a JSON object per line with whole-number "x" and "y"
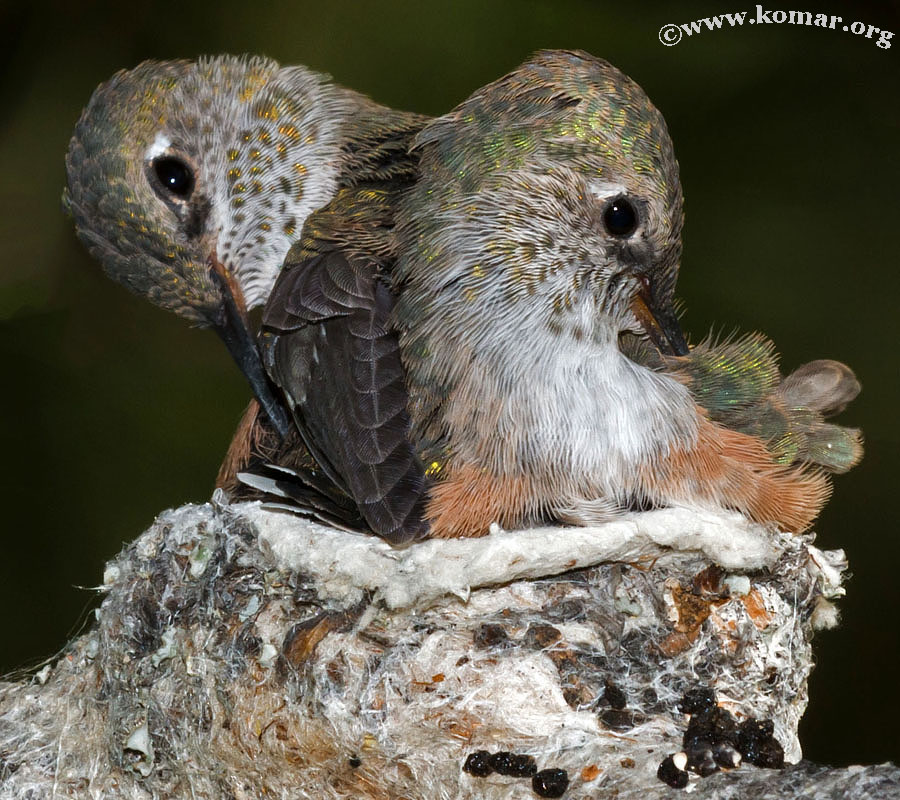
{"x": 787, "y": 139}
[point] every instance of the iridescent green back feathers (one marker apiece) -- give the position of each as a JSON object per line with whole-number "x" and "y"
{"x": 739, "y": 385}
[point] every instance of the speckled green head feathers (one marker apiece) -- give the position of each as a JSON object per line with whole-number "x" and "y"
{"x": 555, "y": 139}
{"x": 559, "y": 110}
{"x": 176, "y": 164}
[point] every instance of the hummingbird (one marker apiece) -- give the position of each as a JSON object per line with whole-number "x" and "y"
{"x": 491, "y": 336}
{"x": 189, "y": 180}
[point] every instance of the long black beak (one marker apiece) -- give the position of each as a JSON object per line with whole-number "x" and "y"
{"x": 659, "y": 322}
{"x": 234, "y": 330}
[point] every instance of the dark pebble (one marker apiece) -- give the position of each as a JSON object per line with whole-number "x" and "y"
{"x": 550, "y": 783}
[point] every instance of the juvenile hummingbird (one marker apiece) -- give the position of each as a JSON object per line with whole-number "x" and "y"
{"x": 492, "y": 337}
{"x": 189, "y": 181}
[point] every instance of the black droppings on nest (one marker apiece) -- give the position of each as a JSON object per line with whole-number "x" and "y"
{"x": 758, "y": 745}
{"x": 714, "y": 740}
{"x": 698, "y": 701}
{"x": 702, "y": 762}
{"x": 478, "y": 764}
{"x": 481, "y": 763}
{"x": 709, "y": 728}
{"x": 617, "y": 717}
{"x": 726, "y": 755}
{"x": 669, "y": 773}
{"x": 550, "y": 782}
{"x": 514, "y": 765}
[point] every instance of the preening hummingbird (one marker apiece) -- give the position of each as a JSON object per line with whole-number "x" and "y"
{"x": 490, "y": 336}
{"x": 189, "y": 181}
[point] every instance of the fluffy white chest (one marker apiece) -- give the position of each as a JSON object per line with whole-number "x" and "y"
{"x": 601, "y": 416}
{"x": 580, "y": 415}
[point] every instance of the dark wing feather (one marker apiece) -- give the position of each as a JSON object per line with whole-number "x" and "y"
{"x": 306, "y": 497}
{"x": 327, "y": 343}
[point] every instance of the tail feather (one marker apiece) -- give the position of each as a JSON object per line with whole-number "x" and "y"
{"x": 825, "y": 386}
{"x": 739, "y": 386}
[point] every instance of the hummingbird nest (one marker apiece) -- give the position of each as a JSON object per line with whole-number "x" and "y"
{"x": 242, "y": 653}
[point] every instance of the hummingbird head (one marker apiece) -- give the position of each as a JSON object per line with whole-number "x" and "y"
{"x": 182, "y": 175}
{"x": 554, "y": 189}
{"x": 188, "y": 181}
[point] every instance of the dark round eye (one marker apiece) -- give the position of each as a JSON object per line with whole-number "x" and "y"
{"x": 176, "y": 177}
{"x": 620, "y": 218}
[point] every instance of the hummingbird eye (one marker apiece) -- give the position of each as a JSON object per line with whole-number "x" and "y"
{"x": 175, "y": 177}
{"x": 620, "y": 217}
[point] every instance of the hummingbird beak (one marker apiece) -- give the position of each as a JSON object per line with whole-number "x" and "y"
{"x": 658, "y": 321}
{"x": 233, "y": 327}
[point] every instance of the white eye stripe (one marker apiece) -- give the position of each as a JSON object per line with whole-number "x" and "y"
{"x": 607, "y": 191}
{"x": 159, "y": 146}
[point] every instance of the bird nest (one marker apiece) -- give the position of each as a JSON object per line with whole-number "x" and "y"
{"x": 243, "y": 653}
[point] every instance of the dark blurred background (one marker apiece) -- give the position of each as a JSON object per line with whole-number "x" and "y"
{"x": 787, "y": 138}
